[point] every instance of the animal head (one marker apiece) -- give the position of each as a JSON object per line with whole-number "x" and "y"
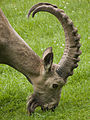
{"x": 47, "y": 86}
{"x": 46, "y": 77}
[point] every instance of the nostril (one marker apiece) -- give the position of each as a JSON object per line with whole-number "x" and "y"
{"x": 42, "y": 108}
{"x": 47, "y": 108}
{"x": 53, "y": 109}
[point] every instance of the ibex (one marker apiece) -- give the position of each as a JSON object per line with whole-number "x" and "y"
{"x": 47, "y": 78}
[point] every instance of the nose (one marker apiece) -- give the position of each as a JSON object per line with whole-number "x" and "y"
{"x": 46, "y": 109}
{"x": 54, "y": 107}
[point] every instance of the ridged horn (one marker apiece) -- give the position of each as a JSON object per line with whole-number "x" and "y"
{"x": 37, "y": 5}
{"x": 71, "y": 52}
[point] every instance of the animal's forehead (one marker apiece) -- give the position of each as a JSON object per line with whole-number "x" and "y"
{"x": 53, "y": 78}
{"x": 51, "y": 75}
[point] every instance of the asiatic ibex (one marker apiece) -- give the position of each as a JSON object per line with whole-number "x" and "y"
{"x": 47, "y": 78}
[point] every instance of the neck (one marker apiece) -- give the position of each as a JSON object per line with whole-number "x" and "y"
{"x": 15, "y": 52}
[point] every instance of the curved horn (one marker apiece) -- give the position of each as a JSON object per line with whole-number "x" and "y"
{"x": 71, "y": 52}
{"x": 37, "y": 5}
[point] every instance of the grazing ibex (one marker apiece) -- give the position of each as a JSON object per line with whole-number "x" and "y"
{"x": 47, "y": 78}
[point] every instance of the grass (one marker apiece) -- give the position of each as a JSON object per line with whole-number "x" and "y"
{"x": 41, "y": 32}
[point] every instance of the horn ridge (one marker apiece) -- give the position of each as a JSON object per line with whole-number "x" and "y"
{"x": 72, "y": 46}
{"x": 37, "y": 5}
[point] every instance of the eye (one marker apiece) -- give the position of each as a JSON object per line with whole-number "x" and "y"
{"x": 55, "y": 85}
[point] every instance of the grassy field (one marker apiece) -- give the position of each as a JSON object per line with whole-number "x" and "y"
{"x": 41, "y": 32}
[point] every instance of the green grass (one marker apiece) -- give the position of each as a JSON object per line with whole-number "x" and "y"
{"x": 41, "y": 32}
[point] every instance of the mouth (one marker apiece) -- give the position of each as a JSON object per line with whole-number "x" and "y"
{"x": 47, "y": 108}
{"x": 33, "y": 103}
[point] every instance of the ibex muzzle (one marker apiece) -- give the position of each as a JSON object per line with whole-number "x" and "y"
{"x": 47, "y": 78}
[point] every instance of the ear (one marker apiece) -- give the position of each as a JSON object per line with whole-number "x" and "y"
{"x": 48, "y": 59}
